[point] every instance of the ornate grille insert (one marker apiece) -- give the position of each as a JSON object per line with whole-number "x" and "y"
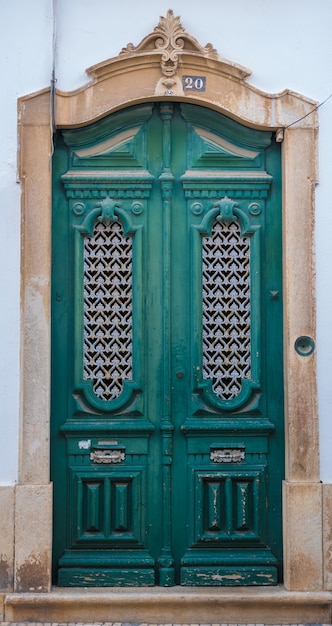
{"x": 107, "y": 310}
{"x": 226, "y": 309}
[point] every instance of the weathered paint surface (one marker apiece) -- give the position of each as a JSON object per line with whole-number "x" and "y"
{"x": 167, "y": 482}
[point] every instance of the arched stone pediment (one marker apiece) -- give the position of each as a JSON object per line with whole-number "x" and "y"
{"x": 165, "y": 64}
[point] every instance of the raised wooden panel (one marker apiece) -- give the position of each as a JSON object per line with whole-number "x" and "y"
{"x": 92, "y": 506}
{"x": 213, "y": 151}
{"x": 214, "y": 506}
{"x": 105, "y": 506}
{"x": 114, "y": 142}
{"x": 122, "y": 506}
{"x": 243, "y": 505}
{"x": 228, "y": 506}
{"x": 124, "y": 150}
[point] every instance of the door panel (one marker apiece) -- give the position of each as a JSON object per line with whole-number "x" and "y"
{"x": 167, "y": 418}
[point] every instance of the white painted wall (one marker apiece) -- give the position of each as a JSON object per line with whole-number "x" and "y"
{"x": 25, "y": 63}
{"x": 287, "y": 44}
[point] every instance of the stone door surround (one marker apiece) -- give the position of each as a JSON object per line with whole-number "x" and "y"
{"x": 155, "y": 70}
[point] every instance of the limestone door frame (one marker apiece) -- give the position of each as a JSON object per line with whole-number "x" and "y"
{"x": 155, "y": 70}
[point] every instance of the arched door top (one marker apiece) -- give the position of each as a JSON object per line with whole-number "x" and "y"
{"x": 171, "y": 63}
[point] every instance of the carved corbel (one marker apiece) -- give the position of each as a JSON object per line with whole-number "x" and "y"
{"x": 226, "y": 210}
{"x": 108, "y": 206}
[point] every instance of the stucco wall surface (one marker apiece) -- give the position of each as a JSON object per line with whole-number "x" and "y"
{"x": 285, "y": 44}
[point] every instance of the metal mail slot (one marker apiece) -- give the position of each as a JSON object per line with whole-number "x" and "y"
{"x": 227, "y": 455}
{"x": 107, "y": 456}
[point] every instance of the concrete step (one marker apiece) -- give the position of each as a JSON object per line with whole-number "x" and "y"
{"x": 173, "y": 605}
{"x": 133, "y": 624}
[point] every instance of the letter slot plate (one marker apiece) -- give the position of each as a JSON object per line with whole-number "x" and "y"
{"x": 227, "y": 455}
{"x": 107, "y": 456}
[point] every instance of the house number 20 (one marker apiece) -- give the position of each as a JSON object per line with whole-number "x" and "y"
{"x": 194, "y": 83}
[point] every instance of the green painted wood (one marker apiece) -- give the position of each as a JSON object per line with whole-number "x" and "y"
{"x": 229, "y": 576}
{"x": 166, "y": 482}
{"x": 88, "y": 577}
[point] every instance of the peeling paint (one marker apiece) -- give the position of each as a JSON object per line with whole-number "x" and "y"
{"x": 227, "y": 577}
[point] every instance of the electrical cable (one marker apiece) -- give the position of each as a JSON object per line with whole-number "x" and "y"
{"x": 53, "y": 77}
{"x": 310, "y": 112}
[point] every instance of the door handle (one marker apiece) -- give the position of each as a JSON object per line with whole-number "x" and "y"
{"x": 179, "y": 374}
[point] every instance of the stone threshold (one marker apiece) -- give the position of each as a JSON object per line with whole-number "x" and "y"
{"x": 180, "y": 605}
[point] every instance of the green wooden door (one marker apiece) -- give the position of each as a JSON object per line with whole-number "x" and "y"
{"x": 167, "y": 402}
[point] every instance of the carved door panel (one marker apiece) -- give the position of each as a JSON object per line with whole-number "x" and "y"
{"x": 167, "y": 418}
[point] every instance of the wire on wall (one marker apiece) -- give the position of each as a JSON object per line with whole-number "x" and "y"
{"x": 54, "y": 80}
{"x": 53, "y": 77}
{"x": 310, "y": 112}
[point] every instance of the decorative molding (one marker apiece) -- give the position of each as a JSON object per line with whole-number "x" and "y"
{"x": 197, "y": 208}
{"x": 225, "y": 207}
{"x": 108, "y": 206}
{"x": 170, "y": 39}
{"x": 137, "y": 208}
{"x": 255, "y": 208}
{"x": 78, "y": 208}
{"x": 216, "y": 184}
{"x": 98, "y": 185}
{"x": 103, "y": 191}
{"x": 168, "y": 45}
{"x": 219, "y": 190}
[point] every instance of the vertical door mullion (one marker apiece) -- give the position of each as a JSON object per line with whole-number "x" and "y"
{"x": 166, "y": 572}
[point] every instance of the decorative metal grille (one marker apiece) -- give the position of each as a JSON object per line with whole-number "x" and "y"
{"x": 107, "y": 310}
{"x": 226, "y": 309}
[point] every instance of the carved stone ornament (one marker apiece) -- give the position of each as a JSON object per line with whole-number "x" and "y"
{"x": 170, "y": 38}
{"x": 172, "y": 48}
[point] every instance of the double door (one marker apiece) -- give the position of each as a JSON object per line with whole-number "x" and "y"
{"x": 167, "y": 402}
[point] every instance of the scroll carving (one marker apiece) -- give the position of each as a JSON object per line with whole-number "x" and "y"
{"x": 226, "y": 207}
{"x": 108, "y": 206}
{"x": 170, "y": 39}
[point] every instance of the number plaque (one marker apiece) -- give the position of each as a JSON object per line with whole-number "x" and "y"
{"x": 193, "y": 83}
